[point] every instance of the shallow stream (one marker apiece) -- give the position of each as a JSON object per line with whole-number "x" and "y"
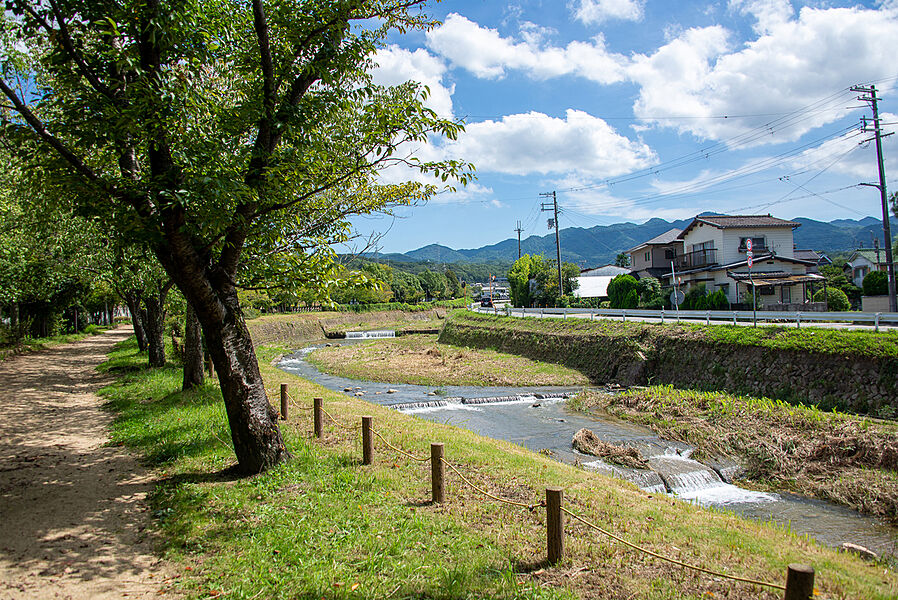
{"x": 538, "y": 419}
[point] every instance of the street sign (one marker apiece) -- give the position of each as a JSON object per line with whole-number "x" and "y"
{"x": 677, "y": 297}
{"x": 748, "y": 252}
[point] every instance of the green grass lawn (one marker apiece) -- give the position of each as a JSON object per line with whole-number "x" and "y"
{"x": 324, "y": 526}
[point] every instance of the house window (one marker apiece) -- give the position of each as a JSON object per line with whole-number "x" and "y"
{"x": 757, "y": 243}
{"x": 648, "y": 256}
{"x": 787, "y": 294}
{"x": 669, "y": 254}
{"x": 768, "y": 290}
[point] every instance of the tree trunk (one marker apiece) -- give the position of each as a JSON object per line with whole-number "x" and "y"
{"x": 155, "y": 330}
{"x": 254, "y": 431}
{"x": 193, "y": 351}
{"x": 14, "y": 314}
{"x": 132, "y": 299}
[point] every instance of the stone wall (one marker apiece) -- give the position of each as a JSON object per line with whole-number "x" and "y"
{"x": 652, "y": 355}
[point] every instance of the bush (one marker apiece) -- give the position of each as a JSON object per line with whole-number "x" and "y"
{"x": 632, "y": 300}
{"x": 619, "y": 290}
{"x": 876, "y": 283}
{"x": 835, "y": 298}
{"x": 718, "y": 301}
{"x": 696, "y": 298}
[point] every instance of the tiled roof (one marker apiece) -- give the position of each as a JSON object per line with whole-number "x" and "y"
{"x": 810, "y": 255}
{"x": 604, "y": 271}
{"x": 870, "y": 255}
{"x": 667, "y": 237}
{"x": 740, "y": 221}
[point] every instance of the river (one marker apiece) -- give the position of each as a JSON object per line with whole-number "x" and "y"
{"x": 539, "y": 419}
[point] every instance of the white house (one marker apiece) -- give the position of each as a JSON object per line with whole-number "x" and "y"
{"x": 714, "y": 253}
{"x": 593, "y": 283}
{"x": 863, "y": 261}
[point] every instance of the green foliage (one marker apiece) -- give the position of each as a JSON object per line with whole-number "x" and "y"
{"x": 876, "y": 283}
{"x": 406, "y": 287}
{"x": 718, "y": 301}
{"x": 522, "y": 271}
{"x": 835, "y": 298}
{"x": 619, "y": 290}
{"x": 631, "y": 301}
{"x": 696, "y": 298}
{"x": 419, "y": 307}
{"x": 622, "y": 260}
{"x": 433, "y": 284}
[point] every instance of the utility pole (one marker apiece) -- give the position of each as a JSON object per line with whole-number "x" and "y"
{"x": 518, "y": 229}
{"x": 868, "y": 94}
{"x": 545, "y": 206}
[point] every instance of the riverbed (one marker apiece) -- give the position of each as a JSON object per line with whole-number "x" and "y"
{"x": 539, "y": 419}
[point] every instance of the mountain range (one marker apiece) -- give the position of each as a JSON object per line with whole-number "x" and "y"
{"x": 600, "y": 245}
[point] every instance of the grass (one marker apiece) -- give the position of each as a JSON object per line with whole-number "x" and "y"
{"x": 810, "y": 339}
{"x": 842, "y": 458}
{"x": 420, "y": 359}
{"x": 324, "y": 526}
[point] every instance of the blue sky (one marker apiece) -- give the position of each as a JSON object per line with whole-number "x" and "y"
{"x": 633, "y": 109}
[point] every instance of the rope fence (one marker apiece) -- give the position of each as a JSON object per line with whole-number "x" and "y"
{"x": 799, "y": 578}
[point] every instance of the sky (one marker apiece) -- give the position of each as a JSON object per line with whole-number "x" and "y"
{"x": 634, "y": 109}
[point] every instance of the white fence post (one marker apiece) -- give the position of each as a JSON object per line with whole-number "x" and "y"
{"x": 662, "y": 316}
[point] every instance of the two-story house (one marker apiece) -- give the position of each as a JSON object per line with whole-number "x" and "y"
{"x": 653, "y": 258}
{"x": 715, "y": 254}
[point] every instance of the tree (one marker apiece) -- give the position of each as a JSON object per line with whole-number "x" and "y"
{"x": 214, "y": 133}
{"x": 453, "y": 287}
{"x": 522, "y": 271}
{"x": 622, "y": 260}
{"x": 619, "y": 290}
{"x": 876, "y": 283}
{"x": 406, "y": 287}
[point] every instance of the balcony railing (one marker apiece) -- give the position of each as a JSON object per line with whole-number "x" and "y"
{"x": 697, "y": 259}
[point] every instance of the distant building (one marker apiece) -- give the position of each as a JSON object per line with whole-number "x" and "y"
{"x": 593, "y": 283}
{"x": 863, "y": 261}
{"x": 818, "y": 258}
{"x": 653, "y": 258}
{"x": 712, "y": 250}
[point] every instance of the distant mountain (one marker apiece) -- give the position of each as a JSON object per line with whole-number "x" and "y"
{"x": 601, "y": 244}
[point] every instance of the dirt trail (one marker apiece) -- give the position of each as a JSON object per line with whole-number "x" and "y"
{"x": 72, "y": 513}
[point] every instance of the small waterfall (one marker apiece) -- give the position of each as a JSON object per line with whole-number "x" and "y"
{"x": 684, "y": 475}
{"x": 370, "y": 335}
{"x": 495, "y": 399}
{"x": 409, "y": 406}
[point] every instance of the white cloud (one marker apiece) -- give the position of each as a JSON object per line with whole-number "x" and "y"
{"x": 397, "y": 65}
{"x": 488, "y": 55}
{"x": 769, "y": 13}
{"x": 599, "y": 11}
{"x": 537, "y": 143}
{"x": 797, "y": 63}
{"x": 848, "y": 155}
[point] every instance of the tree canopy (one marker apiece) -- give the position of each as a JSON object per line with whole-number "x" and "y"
{"x": 233, "y": 140}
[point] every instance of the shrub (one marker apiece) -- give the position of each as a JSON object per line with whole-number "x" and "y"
{"x": 632, "y": 300}
{"x": 835, "y": 298}
{"x": 696, "y": 298}
{"x": 619, "y": 289}
{"x": 718, "y": 301}
{"x": 876, "y": 283}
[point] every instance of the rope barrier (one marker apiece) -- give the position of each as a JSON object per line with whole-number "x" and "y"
{"x": 489, "y": 495}
{"x": 331, "y": 417}
{"x": 667, "y": 558}
{"x": 399, "y": 450}
{"x": 298, "y": 404}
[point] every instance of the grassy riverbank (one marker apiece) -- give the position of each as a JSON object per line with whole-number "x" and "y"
{"x": 420, "y": 359}
{"x": 323, "y": 525}
{"x": 846, "y": 459}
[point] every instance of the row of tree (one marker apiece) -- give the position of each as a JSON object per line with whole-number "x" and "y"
{"x": 216, "y": 147}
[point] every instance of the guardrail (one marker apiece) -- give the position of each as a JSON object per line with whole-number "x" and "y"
{"x": 732, "y": 316}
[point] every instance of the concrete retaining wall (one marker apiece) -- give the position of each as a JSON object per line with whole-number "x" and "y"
{"x": 659, "y": 355}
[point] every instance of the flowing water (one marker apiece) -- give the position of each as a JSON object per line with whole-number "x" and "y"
{"x": 538, "y": 418}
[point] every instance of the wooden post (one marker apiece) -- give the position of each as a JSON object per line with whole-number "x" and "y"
{"x": 367, "y": 442}
{"x": 437, "y": 474}
{"x": 317, "y": 414}
{"x": 799, "y": 582}
{"x": 284, "y": 405}
{"x": 554, "y": 524}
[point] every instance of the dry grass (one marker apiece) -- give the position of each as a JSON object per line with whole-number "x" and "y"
{"x": 842, "y": 458}
{"x": 420, "y": 359}
{"x": 589, "y": 443}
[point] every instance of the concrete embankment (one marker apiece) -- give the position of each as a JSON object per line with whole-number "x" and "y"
{"x": 849, "y": 376}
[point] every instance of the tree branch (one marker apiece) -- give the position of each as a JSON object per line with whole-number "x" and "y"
{"x": 65, "y": 40}
{"x": 38, "y": 127}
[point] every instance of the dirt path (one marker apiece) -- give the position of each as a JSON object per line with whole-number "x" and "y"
{"x": 72, "y": 512}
